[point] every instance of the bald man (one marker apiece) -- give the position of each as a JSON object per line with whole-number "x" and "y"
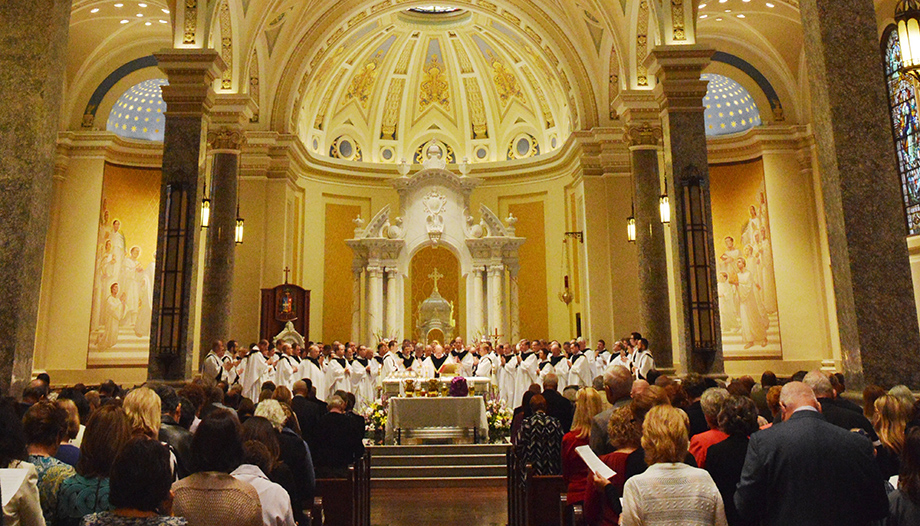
{"x": 808, "y": 471}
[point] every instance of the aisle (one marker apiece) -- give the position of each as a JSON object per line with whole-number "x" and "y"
{"x": 439, "y": 507}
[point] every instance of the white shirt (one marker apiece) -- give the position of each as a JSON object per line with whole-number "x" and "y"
{"x": 276, "y": 504}
{"x": 644, "y": 363}
{"x": 23, "y": 506}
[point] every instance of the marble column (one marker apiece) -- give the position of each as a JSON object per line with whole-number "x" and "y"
{"x": 496, "y": 300}
{"x": 478, "y": 328}
{"x": 374, "y": 304}
{"x": 217, "y": 286}
{"x": 356, "y": 303}
{"x": 644, "y": 141}
{"x": 191, "y": 73}
{"x": 32, "y": 82}
{"x": 514, "y": 304}
{"x": 392, "y": 303}
{"x": 680, "y": 93}
{"x": 876, "y": 310}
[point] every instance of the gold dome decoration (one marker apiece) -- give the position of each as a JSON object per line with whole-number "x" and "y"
{"x": 469, "y": 81}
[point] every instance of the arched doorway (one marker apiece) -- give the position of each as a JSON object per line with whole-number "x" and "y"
{"x": 422, "y": 277}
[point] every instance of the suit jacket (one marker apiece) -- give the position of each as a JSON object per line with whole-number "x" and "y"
{"x": 308, "y": 411}
{"x": 724, "y": 462}
{"x": 559, "y": 407}
{"x": 339, "y": 443}
{"x": 180, "y": 440}
{"x": 840, "y": 415}
{"x": 808, "y": 471}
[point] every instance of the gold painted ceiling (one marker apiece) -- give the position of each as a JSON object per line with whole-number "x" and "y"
{"x": 470, "y": 83}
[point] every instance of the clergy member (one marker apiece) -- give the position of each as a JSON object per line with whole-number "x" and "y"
{"x": 315, "y": 370}
{"x": 337, "y": 371}
{"x": 214, "y": 366}
{"x": 253, "y": 367}
{"x": 431, "y": 367}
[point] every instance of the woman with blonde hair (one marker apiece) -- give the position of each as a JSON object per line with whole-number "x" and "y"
{"x": 670, "y": 492}
{"x": 143, "y": 408}
{"x": 890, "y": 421}
{"x": 588, "y": 404}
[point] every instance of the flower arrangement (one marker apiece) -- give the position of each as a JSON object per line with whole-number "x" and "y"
{"x": 499, "y": 416}
{"x": 375, "y": 421}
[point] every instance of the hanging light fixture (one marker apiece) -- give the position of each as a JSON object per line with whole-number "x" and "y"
{"x": 664, "y": 204}
{"x": 238, "y": 236}
{"x": 907, "y": 17}
{"x": 205, "y": 207}
{"x": 631, "y": 228}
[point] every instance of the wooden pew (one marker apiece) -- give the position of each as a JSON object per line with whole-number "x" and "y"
{"x": 542, "y": 496}
{"x": 345, "y": 501}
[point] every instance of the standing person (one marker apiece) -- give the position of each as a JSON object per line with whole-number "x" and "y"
{"x": 339, "y": 440}
{"x": 724, "y": 461}
{"x": 338, "y": 374}
{"x": 314, "y": 370}
{"x": 904, "y": 502}
{"x": 286, "y": 370}
{"x": 23, "y": 505}
{"x": 890, "y": 422}
{"x": 618, "y": 384}
{"x": 507, "y": 376}
{"x": 528, "y": 372}
{"x": 670, "y": 492}
{"x": 642, "y": 359}
{"x": 581, "y": 373}
{"x": 140, "y": 488}
{"x": 253, "y": 367}
{"x": 808, "y": 471}
{"x": 575, "y": 472}
{"x": 711, "y": 403}
{"x": 540, "y": 439}
{"x": 45, "y": 425}
{"x": 432, "y": 365}
{"x": 560, "y": 365}
{"x": 214, "y": 366}
{"x": 87, "y": 492}
{"x": 602, "y": 502}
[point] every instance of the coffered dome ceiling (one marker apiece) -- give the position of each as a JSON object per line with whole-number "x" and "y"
{"x": 481, "y": 89}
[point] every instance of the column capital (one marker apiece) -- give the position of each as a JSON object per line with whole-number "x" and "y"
{"x": 678, "y": 70}
{"x": 643, "y": 136}
{"x": 226, "y": 140}
{"x": 191, "y": 74}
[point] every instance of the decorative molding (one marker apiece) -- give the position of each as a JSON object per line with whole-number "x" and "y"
{"x": 225, "y": 140}
{"x": 643, "y": 134}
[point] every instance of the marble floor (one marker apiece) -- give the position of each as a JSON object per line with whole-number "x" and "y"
{"x": 439, "y": 507}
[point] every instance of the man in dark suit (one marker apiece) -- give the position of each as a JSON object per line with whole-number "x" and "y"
{"x": 308, "y": 410}
{"x": 835, "y": 412}
{"x": 557, "y": 405}
{"x": 618, "y": 385}
{"x": 694, "y": 385}
{"x": 808, "y": 471}
{"x": 339, "y": 441}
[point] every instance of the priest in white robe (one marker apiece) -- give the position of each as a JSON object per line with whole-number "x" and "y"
{"x": 252, "y": 368}
{"x": 431, "y": 366}
{"x": 337, "y": 372}
{"x": 581, "y": 373}
{"x": 314, "y": 369}
{"x": 527, "y": 372}
{"x": 507, "y": 375}
{"x": 286, "y": 368}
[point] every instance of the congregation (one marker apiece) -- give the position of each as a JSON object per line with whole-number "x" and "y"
{"x": 246, "y": 439}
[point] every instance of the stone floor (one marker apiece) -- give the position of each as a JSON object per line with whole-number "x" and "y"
{"x": 439, "y": 507}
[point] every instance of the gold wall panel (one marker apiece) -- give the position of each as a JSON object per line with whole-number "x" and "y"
{"x": 534, "y": 306}
{"x": 337, "y": 279}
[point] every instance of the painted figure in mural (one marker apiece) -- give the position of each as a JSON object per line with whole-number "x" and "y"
{"x": 769, "y": 276}
{"x": 727, "y": 259}
{"x": 753, "y": 225}
{"x": 144, "y": 312}
{"x": 132, "y": 275}
{"x": 112, "y": 315}
{"x": 119, "y": 247}
{"x": 728, "y": 304}
{"x": 754, "y": 321}
{"x": 106, "y": 275}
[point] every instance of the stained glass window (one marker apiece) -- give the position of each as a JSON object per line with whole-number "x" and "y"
{"x": 902, "y": 99}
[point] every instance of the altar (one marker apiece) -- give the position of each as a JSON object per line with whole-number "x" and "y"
{"x": 444, "y": 413}
{"x": 393, "y": 387}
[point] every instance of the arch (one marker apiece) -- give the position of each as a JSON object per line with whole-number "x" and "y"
{"x": 89, "y": 114}
{"x": 762, "y": 82}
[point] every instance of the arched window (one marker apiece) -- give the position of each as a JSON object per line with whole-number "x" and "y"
{"x": 902, "y": 102}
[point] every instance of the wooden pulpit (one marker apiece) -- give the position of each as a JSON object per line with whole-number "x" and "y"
{"x": 282, "y": 304}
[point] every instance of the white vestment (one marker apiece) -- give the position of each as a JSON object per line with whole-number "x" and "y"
{"x": 528, "y": 373}
{"x": 337, "y": 376}
{"x": 253, "y": 367}
{"x": 580, "y": 373}
{"x": 317, "y": 375}
{"x": 286, "y": 371}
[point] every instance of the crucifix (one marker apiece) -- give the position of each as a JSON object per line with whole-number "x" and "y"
{"x": 495, "y": 336}
{"x": 286, "y": 272}
{"x": 435, "y": 276}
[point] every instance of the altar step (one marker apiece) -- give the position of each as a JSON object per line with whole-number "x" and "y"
{"x": 438, "y": 466}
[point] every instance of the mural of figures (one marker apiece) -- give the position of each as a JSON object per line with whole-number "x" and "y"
{"x": 744, "y": 254}
{"x": 124, "y": 273}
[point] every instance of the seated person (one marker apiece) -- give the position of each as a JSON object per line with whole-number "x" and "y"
{"x": 540, "y": 439}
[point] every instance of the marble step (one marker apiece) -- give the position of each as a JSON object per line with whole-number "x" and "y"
{"x": 427, "y": 466}
{"x": 447, "y": 472}
{"x": 484, "y": 459}
{"x": 439, "y": 450}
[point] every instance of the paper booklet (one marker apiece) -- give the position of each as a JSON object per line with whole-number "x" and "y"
{"x": 594, "y": 464}
{"x": 10, "y": 480}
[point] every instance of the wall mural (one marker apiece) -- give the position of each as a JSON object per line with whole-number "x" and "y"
{"x": 124, "y": 269}
{"x": 744, "y": 254}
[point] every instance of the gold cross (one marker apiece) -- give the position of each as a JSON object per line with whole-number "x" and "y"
{"x": 435, "y": 276}
{"x": 286, "y": 272}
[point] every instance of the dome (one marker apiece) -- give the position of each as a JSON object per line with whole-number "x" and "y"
{"x": 729, "y": 106}
{"x": 435, "y": 307}
{"x": 478, "y": 87}
{"x": 138, "y": 113}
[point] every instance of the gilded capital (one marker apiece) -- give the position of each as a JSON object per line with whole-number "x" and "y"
{"x": 225, "y": 139}
{"x": 643, "y": 135}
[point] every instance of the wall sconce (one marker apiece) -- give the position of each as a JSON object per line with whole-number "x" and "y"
{"x": 580, "y": 236}
{"x": 631, "y": 229}
{"x": 664, "y": 204}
